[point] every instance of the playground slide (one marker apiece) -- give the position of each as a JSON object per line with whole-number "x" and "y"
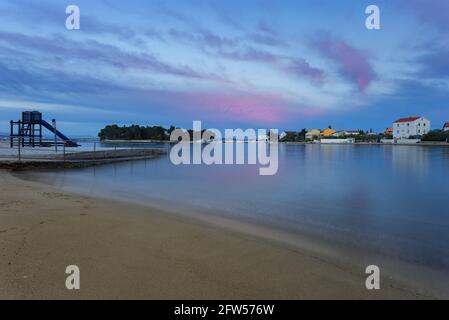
{"x": 69, "y": 142}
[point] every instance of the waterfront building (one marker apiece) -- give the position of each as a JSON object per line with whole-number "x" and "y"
{"x": 388, "y": 132}
{"x": 338, "y": 141}
{"x": 346, "y": 133}
{"x": 404, "y": 128}
{"x": 328, "y": 132}
{"x": 446, "y": 126}
{"x": 313, "y": 134}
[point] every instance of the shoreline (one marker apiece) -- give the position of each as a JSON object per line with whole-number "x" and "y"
{"x": 130, "y": 251}
{"x": 421, "y": 144}
{"x": 421, "y": 279}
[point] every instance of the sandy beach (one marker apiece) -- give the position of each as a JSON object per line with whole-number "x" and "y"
{"x": 128, "y": 251}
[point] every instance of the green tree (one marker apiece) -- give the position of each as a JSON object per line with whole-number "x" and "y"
{"x": 436, "y": 135}
{"x": 134, "y": 132}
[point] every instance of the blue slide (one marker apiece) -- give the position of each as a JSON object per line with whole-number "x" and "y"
{"x": 69, "y": 142}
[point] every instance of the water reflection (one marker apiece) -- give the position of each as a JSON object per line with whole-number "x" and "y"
{"x": 390, "y": 198}
{"x": 411, "y": 160}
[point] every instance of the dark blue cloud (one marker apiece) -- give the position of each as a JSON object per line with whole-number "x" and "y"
{"x": 265, "y": 28}
{"x": 434, "y": 64}
{"x": 431, "y": 12}
{"x": 92, "y": 50}
{"x": 266, "y": 39}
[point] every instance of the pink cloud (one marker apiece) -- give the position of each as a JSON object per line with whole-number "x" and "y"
{"x": 231, "y": 107}
{"x": 354, "y": 63}
{"x": 264, "y": 108}
{"x": 260, "y": 108}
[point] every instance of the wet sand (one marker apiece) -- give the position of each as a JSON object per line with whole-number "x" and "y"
{"x": 129, "y": 251}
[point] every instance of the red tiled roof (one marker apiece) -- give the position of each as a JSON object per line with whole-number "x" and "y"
{"x": 410, "y": 119}
{"x": 446, "y": 125}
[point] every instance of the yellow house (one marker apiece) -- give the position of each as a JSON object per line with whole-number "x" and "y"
{"x": 313, "y": 134}
{"x": 328, "y": 132}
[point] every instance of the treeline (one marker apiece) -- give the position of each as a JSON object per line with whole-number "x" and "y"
{"x": 135, "y": 132}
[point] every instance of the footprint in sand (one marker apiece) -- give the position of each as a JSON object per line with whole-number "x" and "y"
{"x": 9, "y": 229}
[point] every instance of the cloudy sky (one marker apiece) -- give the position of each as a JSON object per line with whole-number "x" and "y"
{"x": 230, "y": 63}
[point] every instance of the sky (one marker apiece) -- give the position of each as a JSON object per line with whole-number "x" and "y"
{"x": 277, "y": 64}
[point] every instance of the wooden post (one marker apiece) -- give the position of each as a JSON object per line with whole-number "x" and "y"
{"x": 11, "y": 138}
{"x": 19, "y": 148}
{"x": 56, "y": 139}
{"x": 21, "y": 133}
{"x": 40, "y": 133}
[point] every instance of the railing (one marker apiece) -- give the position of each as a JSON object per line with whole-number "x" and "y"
{"x": 48, "y": 146}
{"x": 48, "y": 150}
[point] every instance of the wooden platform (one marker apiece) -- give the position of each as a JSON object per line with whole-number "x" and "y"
{"x": 81, "y": 159}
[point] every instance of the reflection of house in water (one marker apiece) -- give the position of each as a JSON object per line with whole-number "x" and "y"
{"x": 411, "y": 160}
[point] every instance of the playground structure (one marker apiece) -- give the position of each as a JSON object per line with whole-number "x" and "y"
{"x": 28, "y": 131}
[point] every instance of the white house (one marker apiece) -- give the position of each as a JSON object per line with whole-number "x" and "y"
{"x": 337, "y": 141}
{"x": 263, "y": 137}
{"x": 343, "y": 133}
{"x": 413, "y": 126}
{"x": 446, "y": 126}
{"x": 313, "y": 134}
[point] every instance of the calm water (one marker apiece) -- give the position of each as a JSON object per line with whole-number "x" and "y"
{"x": 391, "y": 199}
